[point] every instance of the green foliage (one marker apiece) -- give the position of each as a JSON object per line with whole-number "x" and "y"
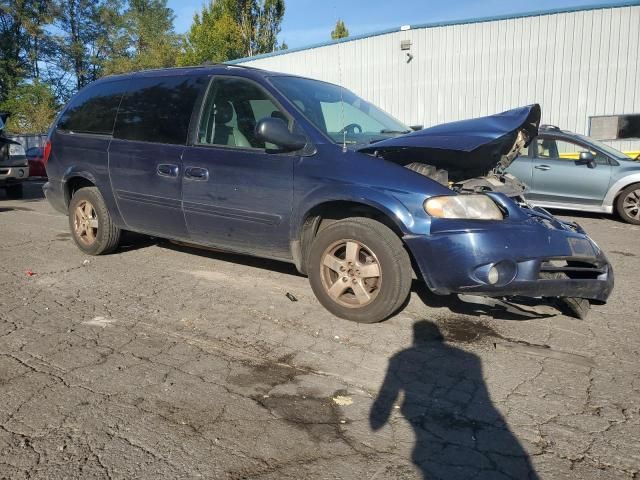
{"x": 214, "y": 36}
{"x": 49, "y": 49}
{"x": 83, "y": 40}
{"x": 22, "y": 37}
{"x": 340, "y": 31}
{"x": 229, "y": 29}
{"x": 146, "y": 38}
{"x": 32, "y": 107}
{"x": 267, "y": 18}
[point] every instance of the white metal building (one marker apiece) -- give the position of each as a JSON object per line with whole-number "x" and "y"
{"x": 582, "y": 65}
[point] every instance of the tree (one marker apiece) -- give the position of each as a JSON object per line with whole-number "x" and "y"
{"x": 146, "y": 40}
{"x": 214, "y": 36}
{"x": 340, "y": 31}
{"x": 22, "y": 37}
{"x": 32, "y": 107}
{"x": 228, "y": 29}
{"x": 267, "y": 20}
{"x": 83, "y": 42}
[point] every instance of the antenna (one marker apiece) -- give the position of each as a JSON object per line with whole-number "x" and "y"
{"x": 344, "y": 130}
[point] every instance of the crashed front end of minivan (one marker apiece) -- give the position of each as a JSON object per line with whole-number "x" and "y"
{"x": 485, "y": 239}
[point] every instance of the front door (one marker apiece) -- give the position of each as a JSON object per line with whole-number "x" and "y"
{"x": 145, "y": 155}
{"x": 237, "y": 191}
{"x": 559, "y": 177}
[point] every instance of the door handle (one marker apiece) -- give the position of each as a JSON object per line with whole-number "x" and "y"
{"x": 543, "y": 167}
{"x": 197, "y": 173}
{"x": 168, "y": 170}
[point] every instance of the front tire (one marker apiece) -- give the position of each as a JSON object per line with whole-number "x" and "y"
{"x": 359, "y": 270}
{"x": 628, "y": 204}
{"x": 574, "y": 306}
{"x": 91, "y": 225}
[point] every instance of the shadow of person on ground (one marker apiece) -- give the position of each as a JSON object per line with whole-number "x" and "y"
{"x": 459, "y": 433}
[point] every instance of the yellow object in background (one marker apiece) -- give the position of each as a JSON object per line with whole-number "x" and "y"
{"x": 576, "y": 155}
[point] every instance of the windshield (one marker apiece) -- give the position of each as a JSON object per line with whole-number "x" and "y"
{"x": 339, "y": 113}
{"x": 605, "y": 148}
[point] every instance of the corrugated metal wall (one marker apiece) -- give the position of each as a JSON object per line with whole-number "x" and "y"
{"x": 575, "y": 64}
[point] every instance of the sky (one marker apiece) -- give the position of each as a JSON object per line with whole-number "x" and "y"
{"x": 310, "y": 21}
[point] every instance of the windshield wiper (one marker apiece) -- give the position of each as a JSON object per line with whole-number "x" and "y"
{"x": 400, "y": 132}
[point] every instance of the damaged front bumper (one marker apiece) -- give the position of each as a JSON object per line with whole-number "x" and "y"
{"x": 533, "y": 255}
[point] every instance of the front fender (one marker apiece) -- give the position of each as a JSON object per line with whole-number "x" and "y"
{"x": 383, "y": 200}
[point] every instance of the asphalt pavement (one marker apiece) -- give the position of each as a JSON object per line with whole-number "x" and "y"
{"x": 164, "y": 361}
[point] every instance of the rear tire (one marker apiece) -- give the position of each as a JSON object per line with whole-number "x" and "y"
{"x": 359, "y": 270}
{"x": 15, "y": 192}
{"x": 576, "y": 307}
{"x": 90, "y": 222}
{"x": 628, "y": 204}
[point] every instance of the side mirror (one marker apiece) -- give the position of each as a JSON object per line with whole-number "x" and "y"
{"x": 274, "y": 130}
{"x": 587, "y": 158}
{"x": 415, "y": 128}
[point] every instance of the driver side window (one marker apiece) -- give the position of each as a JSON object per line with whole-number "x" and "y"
{"x": 231, "y": 111}
{"x": 564, "y": 150}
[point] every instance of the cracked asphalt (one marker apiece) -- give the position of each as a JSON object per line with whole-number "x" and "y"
{"x": 163, "y": 361}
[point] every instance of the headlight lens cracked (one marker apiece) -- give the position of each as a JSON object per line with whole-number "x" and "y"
{"x": 470, "y": 207}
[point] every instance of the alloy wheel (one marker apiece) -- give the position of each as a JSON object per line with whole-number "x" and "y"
{"x": 85, "y": 222}
{"x": 631, "y": 204}
{"x": 351, "y": 273}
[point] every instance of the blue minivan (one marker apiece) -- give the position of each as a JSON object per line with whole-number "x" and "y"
{"x": 303, "y": 171}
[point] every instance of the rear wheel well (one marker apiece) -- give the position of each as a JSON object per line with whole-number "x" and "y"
{"x": 321, "y": 216}
{"x": 73, "y": 185}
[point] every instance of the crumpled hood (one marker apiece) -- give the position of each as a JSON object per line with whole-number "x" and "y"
{"x": 478, "y": 144}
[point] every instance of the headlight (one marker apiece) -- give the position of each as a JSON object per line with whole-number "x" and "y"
{"x": 473, "y": 207}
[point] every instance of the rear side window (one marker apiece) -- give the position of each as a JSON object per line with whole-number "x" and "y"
{"x": 158, "y": 109}
{"x": 94, "y": 109}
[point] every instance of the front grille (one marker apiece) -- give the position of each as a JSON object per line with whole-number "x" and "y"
{"x": 574, "y": 269}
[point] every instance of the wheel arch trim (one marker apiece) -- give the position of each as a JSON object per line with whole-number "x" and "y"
{"x": 385, "y": 204}
{"x": 618, "y": 186}
{"x": 97, "y": 180}
{"x": 72, "y": 174}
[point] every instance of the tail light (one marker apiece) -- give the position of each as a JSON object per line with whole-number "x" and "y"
{"x": 46, "y": 151}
